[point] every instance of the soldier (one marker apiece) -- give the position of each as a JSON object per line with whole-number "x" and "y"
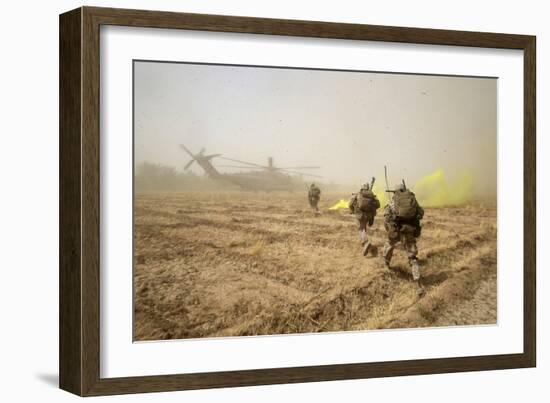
{"x": 314, "y": 195}
{"x": 402, "y": 222}
{"x": 364, "y": 205}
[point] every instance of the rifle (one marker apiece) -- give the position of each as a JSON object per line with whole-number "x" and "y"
{"x": 386, "y": 177}
{"x": 350, "y": 205}
{"x": 372, "y": 183}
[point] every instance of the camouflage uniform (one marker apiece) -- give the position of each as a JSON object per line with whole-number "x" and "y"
{"x": 314, "y": 195}
{"x": 404, "y": 231}
{"x": 364, "y": 218}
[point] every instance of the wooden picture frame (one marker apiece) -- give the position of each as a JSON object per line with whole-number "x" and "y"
{"x": 79, "y": 348}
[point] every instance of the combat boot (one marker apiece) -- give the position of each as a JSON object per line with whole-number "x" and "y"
{"x": 420, "y": 290}
{"x": 415, "y": 269}
{"x": 366, "y": 247}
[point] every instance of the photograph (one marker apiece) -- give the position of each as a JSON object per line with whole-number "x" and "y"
{"x": 275, "y": 200}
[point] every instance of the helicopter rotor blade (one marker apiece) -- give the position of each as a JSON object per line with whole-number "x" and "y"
{"x": 209, "y": 157}
{"x": 300, "y": 173}
{"x": 244, "y": 162}
{"x": 296, "y": 167}
{"x": 236, "y": 166}
{"x": 186, "y": 167}
{"x": 187, "y": 150}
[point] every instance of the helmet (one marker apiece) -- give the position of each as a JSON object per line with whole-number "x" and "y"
{"x": 366, "y": 186}
{"x": 401, "y": 187}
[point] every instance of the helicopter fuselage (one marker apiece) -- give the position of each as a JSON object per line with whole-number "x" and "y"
{"x": 263, "y": 178}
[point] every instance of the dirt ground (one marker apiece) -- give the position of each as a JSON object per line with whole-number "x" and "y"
{"x": 236, "y": 263}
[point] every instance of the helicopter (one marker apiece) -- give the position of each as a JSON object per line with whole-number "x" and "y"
{"x": 258, "y": 177}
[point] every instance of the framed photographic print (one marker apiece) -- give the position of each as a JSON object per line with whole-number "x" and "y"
{"x": 249, "y": 201}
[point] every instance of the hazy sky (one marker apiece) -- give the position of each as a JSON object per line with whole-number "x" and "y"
{"x": 350, "y": 124}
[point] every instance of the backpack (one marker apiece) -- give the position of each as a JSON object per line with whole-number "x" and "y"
{"x": 314, "y": 192}
{"x": 405, "y": 204}
{"x": 367, "y": 201}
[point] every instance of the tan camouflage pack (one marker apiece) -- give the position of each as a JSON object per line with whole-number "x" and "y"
{"x": 367, "y": 201}
{"x": 405, "y": 204}
{"x": 315, "y": 192}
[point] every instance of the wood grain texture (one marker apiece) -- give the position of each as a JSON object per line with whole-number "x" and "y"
{"x": 90, "y": 202}
{"x": 80, "y": 200}
{"x": 317, "y": 29}
{"x": 305, "y": 374}
{"x": 530, "y": 202}
{"x": 70, "y": 314}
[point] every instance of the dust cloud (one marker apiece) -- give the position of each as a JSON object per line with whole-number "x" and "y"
{"x": 438, "y": 133}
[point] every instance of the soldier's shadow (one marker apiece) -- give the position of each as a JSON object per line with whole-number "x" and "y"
{"x": 431, "y": 279}
{"x": 401, "y": 272}
{"x": 434, "y": 278}
{"x": 404, "y": 273}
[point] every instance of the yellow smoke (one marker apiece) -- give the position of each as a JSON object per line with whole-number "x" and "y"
{"x": 381, "y": 194}
{"x": 434, "y": 190}
{"x": 340, "y": 205}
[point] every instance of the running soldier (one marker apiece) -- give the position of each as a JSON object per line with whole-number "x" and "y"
{"x": 314, "y": 195}
{"x": 402, "y": 222}
{"x": 364, "y": 205}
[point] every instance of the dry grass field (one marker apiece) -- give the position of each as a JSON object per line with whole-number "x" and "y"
{"x": 233, "y": 264}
